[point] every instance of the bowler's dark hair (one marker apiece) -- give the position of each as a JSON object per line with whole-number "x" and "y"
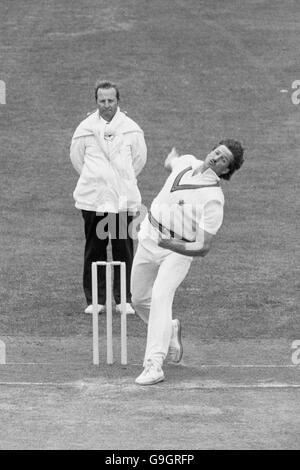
{"x": 104, "y": 85}
{"x": 237, "y": 151}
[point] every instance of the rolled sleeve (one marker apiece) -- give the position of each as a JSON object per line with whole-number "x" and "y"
{"x": 212, "y": 217}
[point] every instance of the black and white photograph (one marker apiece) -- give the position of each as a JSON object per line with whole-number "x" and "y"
{"x": 149, "y": 275}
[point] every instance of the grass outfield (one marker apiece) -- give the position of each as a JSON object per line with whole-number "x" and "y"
{"x": 190, "y": 73}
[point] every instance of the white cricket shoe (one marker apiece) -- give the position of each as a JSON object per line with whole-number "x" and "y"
{"x": 100, "y": 308}
{"x": 175, "y": 348}
{"x": 152, "y": 374}
{"x": 129, "y": 309}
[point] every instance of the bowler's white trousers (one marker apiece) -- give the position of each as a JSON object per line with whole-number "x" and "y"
{"x": 156, "y": 274}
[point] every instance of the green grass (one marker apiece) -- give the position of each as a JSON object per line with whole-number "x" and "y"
{"x": 189, "y": 73}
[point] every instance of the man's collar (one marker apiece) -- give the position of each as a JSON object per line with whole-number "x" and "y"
{"x": 211, "y": 172}
{"x": 207, "y": 173}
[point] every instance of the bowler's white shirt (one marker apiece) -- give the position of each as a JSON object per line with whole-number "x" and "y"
{"x": 184, "y": 207}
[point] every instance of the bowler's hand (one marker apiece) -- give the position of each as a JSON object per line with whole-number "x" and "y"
{"x": 171, "y": 157}
{"x": 164, "y": 240}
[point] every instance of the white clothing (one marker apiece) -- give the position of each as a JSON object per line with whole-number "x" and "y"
{"x": 108, "y": 158}
{"x": 187, "y": 202}
{"x": 157, "y": 272}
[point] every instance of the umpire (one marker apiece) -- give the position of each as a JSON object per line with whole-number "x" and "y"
{"x": 108, "y": 151}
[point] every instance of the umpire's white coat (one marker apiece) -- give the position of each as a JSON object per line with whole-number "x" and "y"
{"x": 108, "y": 158}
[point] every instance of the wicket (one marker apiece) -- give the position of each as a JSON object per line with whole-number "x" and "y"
{"x": 109, "y": 332}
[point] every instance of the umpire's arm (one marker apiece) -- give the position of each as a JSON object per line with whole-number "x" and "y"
{"x": 77, "y": 151}
{"x": 139, "y": 152}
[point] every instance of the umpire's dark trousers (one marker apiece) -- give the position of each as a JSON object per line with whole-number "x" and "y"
{"x": 99, "y": 228}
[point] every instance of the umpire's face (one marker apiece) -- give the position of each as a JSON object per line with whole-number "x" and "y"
{"x": 107, "y": 103}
